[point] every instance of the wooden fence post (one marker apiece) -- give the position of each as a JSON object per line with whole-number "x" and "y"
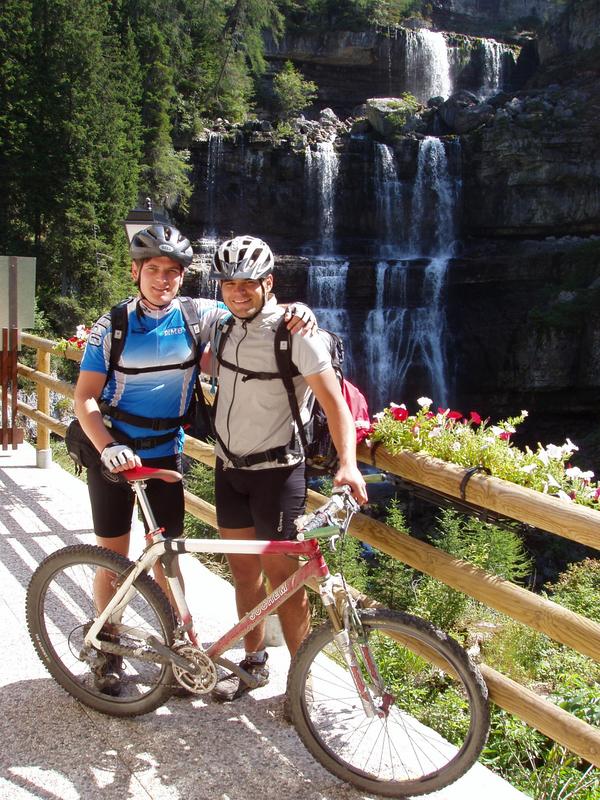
{"x": 44, "y": 454}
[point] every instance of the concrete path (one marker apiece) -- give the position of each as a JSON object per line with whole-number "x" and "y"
{"x": 54, "y": 748}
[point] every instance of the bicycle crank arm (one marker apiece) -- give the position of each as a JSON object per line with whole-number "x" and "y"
{"x": 169, "y": 655}
{"x": 244, "y": 676}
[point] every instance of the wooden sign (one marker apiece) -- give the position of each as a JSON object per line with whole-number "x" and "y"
{"x": 17, "y": 284}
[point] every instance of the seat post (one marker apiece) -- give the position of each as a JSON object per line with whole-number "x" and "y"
{"x": 139, "y": 487}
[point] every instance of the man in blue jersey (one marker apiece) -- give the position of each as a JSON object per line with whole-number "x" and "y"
{"x": 144, "y": 397}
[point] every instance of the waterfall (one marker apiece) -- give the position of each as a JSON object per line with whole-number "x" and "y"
{"x": 389, "y": 199}
{"x": 406, "y": 330}
{"x": 492, "y": 77}
{"x": 432, "y": 228}
{"x": 405, "y": 342}
{"x": 427, "y": 65}
{"x": 327, "y": 279}
{"x": 322, "y": 167}
{"x": 213, "y": 164}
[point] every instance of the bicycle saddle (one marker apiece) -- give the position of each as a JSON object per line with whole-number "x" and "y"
{"x": 147, "y": 473}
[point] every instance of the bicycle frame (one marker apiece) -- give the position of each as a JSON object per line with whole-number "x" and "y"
{"x": 162, "y": 550}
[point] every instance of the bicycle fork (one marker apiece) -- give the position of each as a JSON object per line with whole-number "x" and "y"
{"x": 344, "y": 619}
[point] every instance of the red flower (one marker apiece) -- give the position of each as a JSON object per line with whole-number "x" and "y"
{"x": 505, "y": 436}
{"x": 475, "y": 418}
{"x": 399, "y": 413}
{"x": 454, "y": 415}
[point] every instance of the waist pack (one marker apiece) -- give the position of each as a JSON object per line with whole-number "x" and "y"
{"x": 80, "y": 447}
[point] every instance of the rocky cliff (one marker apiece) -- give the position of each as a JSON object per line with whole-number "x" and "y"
{"x": 522, "y": 292}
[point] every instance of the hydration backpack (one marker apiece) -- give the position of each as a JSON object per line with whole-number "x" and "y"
{"x": 196, "y": 413}
{"x": 315, "y": 440}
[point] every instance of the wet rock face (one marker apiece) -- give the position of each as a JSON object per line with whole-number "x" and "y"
{"x": 577, "y": 29}
{"x": 534, "y": 168}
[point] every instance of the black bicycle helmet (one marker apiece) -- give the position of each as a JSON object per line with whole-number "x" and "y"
{"x": 161, "y": 240}
{"x": 242, "y": 258}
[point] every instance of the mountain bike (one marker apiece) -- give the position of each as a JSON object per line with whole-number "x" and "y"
{"x": 382, "y": 699}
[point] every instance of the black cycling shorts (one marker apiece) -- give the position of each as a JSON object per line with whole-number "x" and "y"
{"x": 268, "y": 500}
{"x": 112, "y": 503}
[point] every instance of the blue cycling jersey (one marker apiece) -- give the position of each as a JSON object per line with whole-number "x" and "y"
{"x": 154, "y": 339}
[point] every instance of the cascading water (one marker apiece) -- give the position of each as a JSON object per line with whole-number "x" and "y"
{"x": 326, "y": 293}
{"x": 433, "y": 202}
{"x": 327, "y": 273}
{"x": 493, "y": 54}
{"x": 215, "y": 156}
{"x": 322, "y": 167}
{"x": 389, "y": 198}
{"x": 427, "y": 65}
{"x": 405, "y": 332}
{"x": 401, "y": 339}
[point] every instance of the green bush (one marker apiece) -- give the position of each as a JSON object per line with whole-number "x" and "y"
{"x": 579, "y": 588}
{"x": 292, "y": 92}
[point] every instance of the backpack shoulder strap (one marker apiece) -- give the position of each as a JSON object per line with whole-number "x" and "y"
{"x": 119, "y": 323}
{"x": 287, "y": 370}
{"x": 192, "y": 321}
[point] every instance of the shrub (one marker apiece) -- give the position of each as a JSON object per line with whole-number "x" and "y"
{"x": 292, "y": 92}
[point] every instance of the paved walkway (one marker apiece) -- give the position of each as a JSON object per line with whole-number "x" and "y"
{"x": 54, "y": 748}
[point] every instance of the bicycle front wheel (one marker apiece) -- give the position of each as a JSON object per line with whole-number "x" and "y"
{"x": 60, "y": 608}
{"x": 426, "y": 718}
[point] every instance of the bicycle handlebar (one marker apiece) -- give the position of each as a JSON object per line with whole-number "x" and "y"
{"x": 327, "y": 516}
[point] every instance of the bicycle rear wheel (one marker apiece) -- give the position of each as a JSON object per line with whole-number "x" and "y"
{"x": 60, "y": 607}
{"x": 434, "y": 717}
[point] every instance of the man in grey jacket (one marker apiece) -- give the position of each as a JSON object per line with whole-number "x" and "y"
{"x": 260, "y": 483}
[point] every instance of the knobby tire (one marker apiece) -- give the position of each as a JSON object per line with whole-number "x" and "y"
{"x": 437, "y": 717}
{"x": 60, "y": 604}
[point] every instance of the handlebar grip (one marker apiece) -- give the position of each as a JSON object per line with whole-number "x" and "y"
{"x": 327, "y": 532}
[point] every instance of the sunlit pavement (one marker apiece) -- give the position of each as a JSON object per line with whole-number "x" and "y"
{"x": 53, "y": 747}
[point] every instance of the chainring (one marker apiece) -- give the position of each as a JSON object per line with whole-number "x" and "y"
{"x": 204, "y": 678}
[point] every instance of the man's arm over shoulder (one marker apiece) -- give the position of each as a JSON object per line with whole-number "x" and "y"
{"x": 326, "y": 389}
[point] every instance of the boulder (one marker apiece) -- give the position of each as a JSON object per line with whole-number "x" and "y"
{"x": 463, "y": 112}
{"x": 393, "y": 115}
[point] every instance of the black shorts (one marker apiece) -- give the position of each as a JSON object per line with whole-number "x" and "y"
{"x": 112, "y": 503}
{"x": 268, "y": 500}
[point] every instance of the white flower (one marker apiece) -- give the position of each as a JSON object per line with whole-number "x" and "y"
{"x": 524, "y": 413}
{"x": 543, "y": 457}
{"x": 564, "y": 496}
{"x": 424, "y": 402}
{"x": 378, "y": 416}
{"x": 434, "y": 433}
{"x": 568, "y": 447}
{"x": 553, "y": 482}
{"x": 456, "y": 446}
{"x": 529, "y": 468}
{"x": 554, "y": 452}
{"x": 575, "y": 472}
{"x": 395, "y": 405}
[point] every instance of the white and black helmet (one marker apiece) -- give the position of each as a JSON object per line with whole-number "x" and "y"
{"x": 242, "y": 258}
{"x": 161, "y": 240}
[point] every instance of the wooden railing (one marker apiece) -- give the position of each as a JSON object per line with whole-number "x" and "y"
{"x": 574, "y": 522}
